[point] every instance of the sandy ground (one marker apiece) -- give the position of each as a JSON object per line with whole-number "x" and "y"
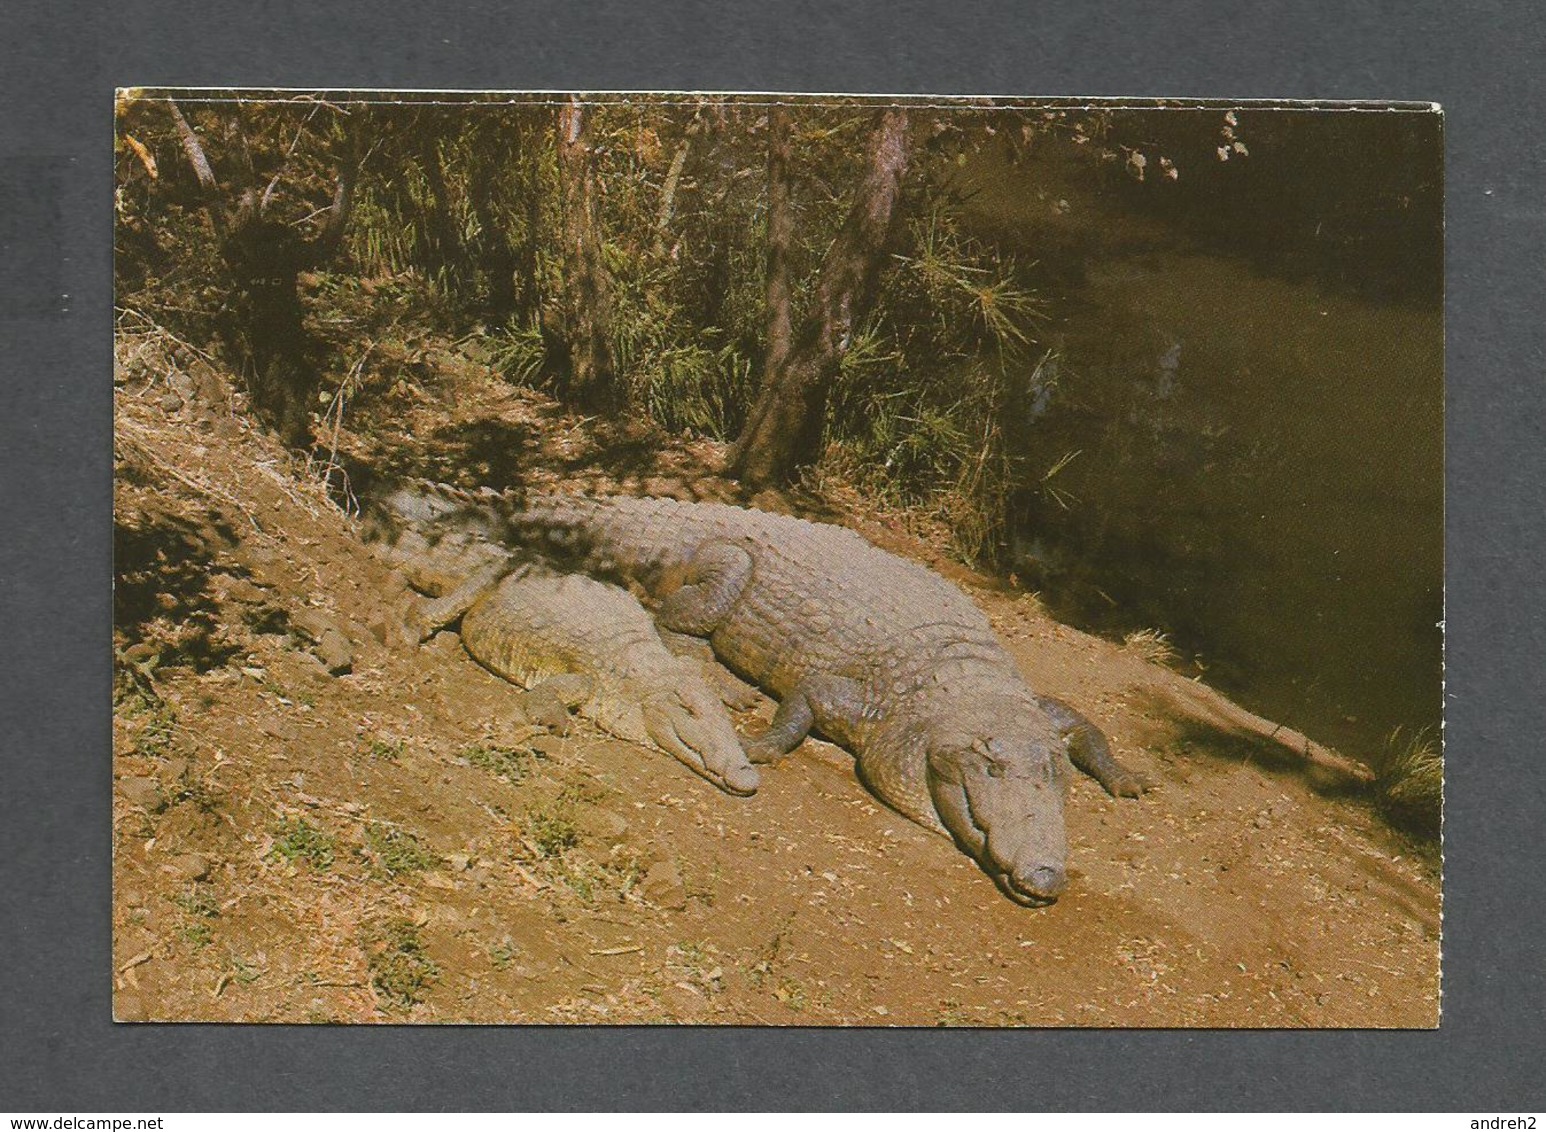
{"x": 394, "y": 842}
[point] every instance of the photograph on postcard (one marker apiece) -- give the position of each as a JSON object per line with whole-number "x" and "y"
{"x": 777, "y": 560}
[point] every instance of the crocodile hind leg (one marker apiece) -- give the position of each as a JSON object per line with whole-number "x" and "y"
{"x": 716, "y": 576}
{"x": 442, "y": 611}
{"x": 830, "y": 704}
{"x": 1090, "y": 752}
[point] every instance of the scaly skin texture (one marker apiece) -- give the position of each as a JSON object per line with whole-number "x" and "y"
{"x": 532, "y": 626}
{"x": 876, "y": 653}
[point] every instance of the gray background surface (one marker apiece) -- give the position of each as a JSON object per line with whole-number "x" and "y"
{"x": 58, "y": 66}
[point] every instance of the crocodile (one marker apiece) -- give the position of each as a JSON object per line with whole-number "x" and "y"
{"x": 876, "y": 653}
{"x": 591, "y": 643}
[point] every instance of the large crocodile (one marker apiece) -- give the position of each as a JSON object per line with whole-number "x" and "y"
{"x": 878, "y": 654}
{"x": 533, "y": 626}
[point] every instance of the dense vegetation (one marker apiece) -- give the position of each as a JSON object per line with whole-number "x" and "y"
{"x": 315, "y": 239}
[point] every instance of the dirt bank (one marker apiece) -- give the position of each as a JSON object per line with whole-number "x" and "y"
{"x": 393, "y": 841}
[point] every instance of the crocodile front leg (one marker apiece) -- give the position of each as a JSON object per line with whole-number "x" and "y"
{"x": 832, "y": 705}
{"x": 442, "y": 611}
{"x": 1090, "y": 752}
{"x": 716, "y": 577}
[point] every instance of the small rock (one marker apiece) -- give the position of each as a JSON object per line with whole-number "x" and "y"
{"x": 141, "y": 652}
{"x": 335, "y": 651}
{"x": 245, "y": 591}
{"x": 379, "y": 626}
{"x": 183, "y": 386}
{"x": 663, "y": 886}
{"x": 313, "y": 624}
{"x": 459, "y": 862}
{"x": 171, "y": 402}
{"x": 173, "y": 770}
{"x": 142, "y": 792}
{"x": 445, "y": 643}
{"x": 189, "y": 866}
{"x": 404, "y": 627}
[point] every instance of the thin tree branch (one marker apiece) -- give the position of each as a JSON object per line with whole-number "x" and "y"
{"x": 273, "y": 184}
{"x": 194, "y": 150}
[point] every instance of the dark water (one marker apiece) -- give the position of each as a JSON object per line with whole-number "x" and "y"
{"x": 1259, "y": 470}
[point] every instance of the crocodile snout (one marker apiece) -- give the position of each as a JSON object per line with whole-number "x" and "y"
{"x": 742, "y": 779}
{"x": 705, "y": 741}
{"x": 1041, "y": 885}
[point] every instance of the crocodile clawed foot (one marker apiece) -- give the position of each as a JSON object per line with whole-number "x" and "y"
{"x": 543, "y": 707}
{"x": 1129, "y": 785}
{"x": 759, "y": 752}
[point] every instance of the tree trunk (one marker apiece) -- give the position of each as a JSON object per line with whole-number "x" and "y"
{"x": 780, "y": 238}
{"x": 587, "y": 308}
{"x": 265, "y": 257}
{"x": 783, "y": 431}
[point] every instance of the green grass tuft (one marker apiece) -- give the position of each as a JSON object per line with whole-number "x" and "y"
{"x": 298, "y": 840}
{"x": 386, "y": 750}
{"x": 1409, "y": 781}
{"x": 552, "y": 831}
{"x": 400, "y": 969}
{"x": 199, "y": 906}
{"x": 1150, "y": 645}
{"x": 396, "y": 852}
{"x": 510, "y": 763}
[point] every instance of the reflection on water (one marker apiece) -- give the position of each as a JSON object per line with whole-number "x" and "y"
{"x": 1260, "y": 475}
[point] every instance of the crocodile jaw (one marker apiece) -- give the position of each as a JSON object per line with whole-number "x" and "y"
{"x": 708, "y": 746}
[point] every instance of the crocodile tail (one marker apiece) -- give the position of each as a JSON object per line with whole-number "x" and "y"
{"x": 568, "y": 532}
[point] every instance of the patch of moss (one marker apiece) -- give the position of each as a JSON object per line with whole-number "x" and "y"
{"x": 387, "y": 750}
{"x": 510, "y": 763}
{"x": 396, "y": 852}
{"x": 552, "y": 831}
{"x": 400, "y": 969}
{"x": 298, "y": 840}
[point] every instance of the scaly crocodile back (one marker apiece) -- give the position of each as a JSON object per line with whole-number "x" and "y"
{"x": 820, "y": 599}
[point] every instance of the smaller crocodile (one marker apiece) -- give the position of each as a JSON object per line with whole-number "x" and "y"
{"x": 536, "y": 627}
